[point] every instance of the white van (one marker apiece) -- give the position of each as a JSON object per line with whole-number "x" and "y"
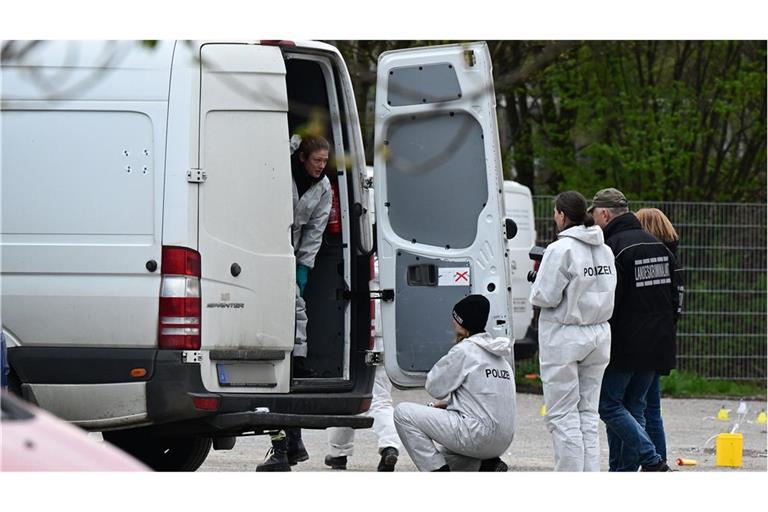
{"x": 147, "y": 268}
{"x": 518, "y": 206}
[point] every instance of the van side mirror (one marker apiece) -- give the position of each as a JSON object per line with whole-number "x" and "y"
{"x": 511, "y": 228}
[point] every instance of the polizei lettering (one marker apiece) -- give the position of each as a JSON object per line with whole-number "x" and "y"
{"x": 652, "y": 271}
{"x": 600, "y": 270}
{"x": 499, "y": 374}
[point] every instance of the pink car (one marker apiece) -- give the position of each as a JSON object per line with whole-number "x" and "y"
{"x": 35, "y": 440}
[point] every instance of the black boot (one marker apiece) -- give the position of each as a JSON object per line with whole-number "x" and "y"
{"x": 388, "y": 459}
{"x": 278, "y": 460}
{"x": 301, "y": 370}
{"x": 336, "y": 462}
{"x": 659, "y": 466}
{"x": 296, "y": 450}
{"x": 493, "y": 465}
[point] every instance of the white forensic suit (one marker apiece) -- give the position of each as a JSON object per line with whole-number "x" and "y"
{"x": 310, "y": 217}
{"x": 341, "y": 440}
{"x": 575, "y": 290}
{"x": 479, "y": 422}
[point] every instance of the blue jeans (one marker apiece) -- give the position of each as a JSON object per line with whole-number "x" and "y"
{"x": 654, "y": 427}
{"x": 622, "y": 407}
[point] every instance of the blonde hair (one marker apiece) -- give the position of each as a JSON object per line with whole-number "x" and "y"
{"x": 460, "y": 333}
{"x": 656, "y": 223}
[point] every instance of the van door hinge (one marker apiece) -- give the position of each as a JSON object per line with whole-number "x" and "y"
{"x": 196, "y": 176}
{"x": 385, "y": 295}
{"x": 373, "y": 358}
{"x": 191, "y": 356}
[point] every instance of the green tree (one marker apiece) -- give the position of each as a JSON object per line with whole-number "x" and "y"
{"x": 667, "y": 120}
{"x": 663, "y": 120}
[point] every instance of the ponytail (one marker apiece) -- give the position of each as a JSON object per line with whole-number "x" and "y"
{"x": 574, "y": 206}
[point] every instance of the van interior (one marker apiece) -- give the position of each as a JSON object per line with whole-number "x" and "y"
{"x": 315, "y": 106}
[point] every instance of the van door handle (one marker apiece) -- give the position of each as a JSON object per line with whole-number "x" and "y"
{"x": 422, "y": 275}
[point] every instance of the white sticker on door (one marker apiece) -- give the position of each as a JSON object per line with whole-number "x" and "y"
{"x": 453, "y": 276}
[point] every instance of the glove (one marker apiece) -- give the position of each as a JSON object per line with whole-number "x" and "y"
{"x": 302, "y": 275}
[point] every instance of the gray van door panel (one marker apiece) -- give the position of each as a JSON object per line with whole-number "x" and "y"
{"x": 433, "y": 196}
{"x": 424, "y": 331}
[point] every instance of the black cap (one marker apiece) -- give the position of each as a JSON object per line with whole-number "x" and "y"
{"x": 471, "y": 313}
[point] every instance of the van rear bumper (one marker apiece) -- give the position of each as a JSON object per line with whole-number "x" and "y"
{"x": 171, "y": 385}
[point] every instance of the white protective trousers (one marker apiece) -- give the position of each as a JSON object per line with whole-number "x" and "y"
{"x": 571, "y": 396}
{"x": 342, "y": 439}
{"x": 463, "y": 442}
{"x": 310, "y": 218}
{"x": 300, "y": 341}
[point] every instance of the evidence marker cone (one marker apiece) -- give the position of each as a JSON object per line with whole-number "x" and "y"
{"x": 722, "y": 414}
{"x": 761, "y": 418}
{"x": 543, "y": 410}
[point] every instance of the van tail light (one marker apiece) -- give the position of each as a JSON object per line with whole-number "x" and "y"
{"x": 374, "y": 281}
{"x": 365, "y": 405}
{"x": 180, "y": 300}
{"x": 205, "y": 403}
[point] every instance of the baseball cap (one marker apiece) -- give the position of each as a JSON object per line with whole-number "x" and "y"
{"x": 608, "y": 198}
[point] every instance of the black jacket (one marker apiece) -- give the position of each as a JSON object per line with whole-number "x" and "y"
{"x": 647, "y": 300}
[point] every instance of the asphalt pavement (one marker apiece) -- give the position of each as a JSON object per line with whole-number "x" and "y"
{"x": 690, "y": 424}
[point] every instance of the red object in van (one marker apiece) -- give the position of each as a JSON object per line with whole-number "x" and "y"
{"x": 334, "y": 219}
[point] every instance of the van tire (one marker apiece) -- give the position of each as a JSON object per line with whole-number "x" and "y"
{"x": 14, "y": 383}
{"x": 162, "y": 453}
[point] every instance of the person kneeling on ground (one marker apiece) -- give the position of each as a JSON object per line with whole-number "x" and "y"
{"x": 474, "y": 418}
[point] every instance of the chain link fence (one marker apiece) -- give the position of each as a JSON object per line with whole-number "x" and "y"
{"x": 722, "y": 333}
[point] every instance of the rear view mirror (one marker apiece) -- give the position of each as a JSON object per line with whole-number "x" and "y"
{"x": 511, "y": 228}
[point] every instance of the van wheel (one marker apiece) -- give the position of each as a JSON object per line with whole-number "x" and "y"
{"x": 14, "y": 383}
{"x": 162, "y": 453}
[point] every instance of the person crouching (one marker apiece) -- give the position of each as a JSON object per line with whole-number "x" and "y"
{"x": 473, "y": 420}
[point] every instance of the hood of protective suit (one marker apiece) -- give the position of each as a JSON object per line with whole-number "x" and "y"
{"x": 500, "y": 346}
{"x": 592, "y": 235}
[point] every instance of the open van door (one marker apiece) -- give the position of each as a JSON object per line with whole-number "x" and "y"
{"x": 247, "y": 262}
{"x": 438, "y": 185}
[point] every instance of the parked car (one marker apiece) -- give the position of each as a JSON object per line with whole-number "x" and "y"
{"x": 34, "y": 440}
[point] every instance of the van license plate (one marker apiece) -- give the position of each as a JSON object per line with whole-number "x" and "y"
{"x": 254, "y": 374}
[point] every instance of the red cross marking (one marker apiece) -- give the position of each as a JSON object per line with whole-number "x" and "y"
{"x": 460, "y": 276}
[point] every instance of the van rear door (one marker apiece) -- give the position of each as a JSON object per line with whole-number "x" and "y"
{"x": 247, "y": 261}
{"x": 438, "y": 182}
